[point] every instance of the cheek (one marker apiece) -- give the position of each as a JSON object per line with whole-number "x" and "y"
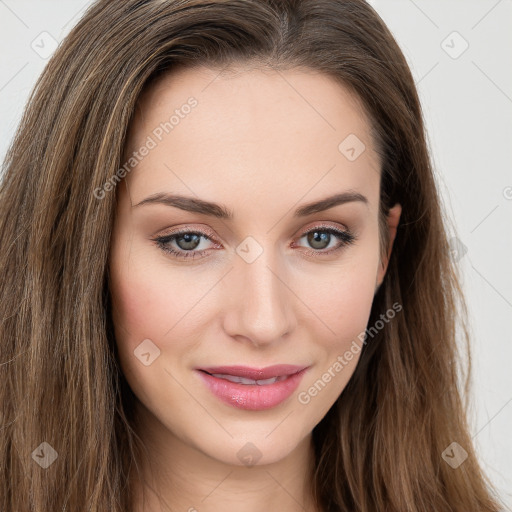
{"x": 345, "y": 308}
{"x": 148, "y": 298}
{"x": 346, "y": 300}
{"x": 343, "y": 295}
{"x": 346, "y": 311}
{"x": 136, "y": 304}
{"x": 149, "y": 303}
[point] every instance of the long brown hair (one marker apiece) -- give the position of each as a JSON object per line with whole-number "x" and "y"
{"x": 380, "y": 446}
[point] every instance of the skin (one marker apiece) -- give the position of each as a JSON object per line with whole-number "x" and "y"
{"x": 262, "y": 143}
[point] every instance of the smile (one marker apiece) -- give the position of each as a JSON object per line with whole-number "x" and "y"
{"x": 250, "y": 388}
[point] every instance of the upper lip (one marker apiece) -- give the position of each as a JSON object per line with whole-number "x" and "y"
{"x": 269, "y": 372}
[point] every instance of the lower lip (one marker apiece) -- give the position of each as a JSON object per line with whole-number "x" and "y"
{"x": 251, "y": 396}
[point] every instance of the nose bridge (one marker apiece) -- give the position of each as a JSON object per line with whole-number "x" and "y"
{"x": 261, "y": 305}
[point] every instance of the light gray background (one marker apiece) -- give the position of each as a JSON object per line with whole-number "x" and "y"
{"x": 467, "y": 100}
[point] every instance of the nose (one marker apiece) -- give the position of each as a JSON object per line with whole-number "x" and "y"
{"x": 260, "y": 301}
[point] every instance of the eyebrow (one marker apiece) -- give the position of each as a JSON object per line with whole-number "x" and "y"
{"x": 220, "y": 211}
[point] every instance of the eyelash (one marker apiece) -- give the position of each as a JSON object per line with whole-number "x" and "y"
{"x": 346, "y": 238}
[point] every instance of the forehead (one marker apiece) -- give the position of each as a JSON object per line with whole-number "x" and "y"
{"x": 253, "y": 130}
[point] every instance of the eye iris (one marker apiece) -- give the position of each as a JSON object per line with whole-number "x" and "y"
{"x": 318, "y": 237}
{"x": 192, "y": 240}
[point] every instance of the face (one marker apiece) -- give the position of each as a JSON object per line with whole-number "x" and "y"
{"x": 220, "y": 258}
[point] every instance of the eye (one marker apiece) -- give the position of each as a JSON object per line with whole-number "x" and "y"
{"x": 321, "y": 238}
{"x": 185, "y": 243}
{"x": 189, "y": 244}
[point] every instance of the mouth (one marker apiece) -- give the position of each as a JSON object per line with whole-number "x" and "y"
{"x": 252, "y": 388}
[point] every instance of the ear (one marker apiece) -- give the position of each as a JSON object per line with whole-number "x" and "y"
{"x": 393, "y": 219}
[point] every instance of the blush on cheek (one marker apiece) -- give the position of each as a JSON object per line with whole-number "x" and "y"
{"x": 148, "y": 302}
{"x": 351, "y": 317}
{"x": 351, "y": 299}
{"x": 134, "y": 314}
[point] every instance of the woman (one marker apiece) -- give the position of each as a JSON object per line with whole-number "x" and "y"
{"x": 225, "y": 277}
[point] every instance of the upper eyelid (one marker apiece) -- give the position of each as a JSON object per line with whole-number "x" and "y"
{"x": 209, "y": 233}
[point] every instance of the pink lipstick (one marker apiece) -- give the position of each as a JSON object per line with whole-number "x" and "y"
{"x": 252, "y": 388}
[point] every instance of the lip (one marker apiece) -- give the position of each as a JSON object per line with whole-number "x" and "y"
{"x": 254, "y": 397}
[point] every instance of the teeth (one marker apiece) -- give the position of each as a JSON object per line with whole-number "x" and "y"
{"x": 266, "y": 381}
{"x": 243, "y": 380}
